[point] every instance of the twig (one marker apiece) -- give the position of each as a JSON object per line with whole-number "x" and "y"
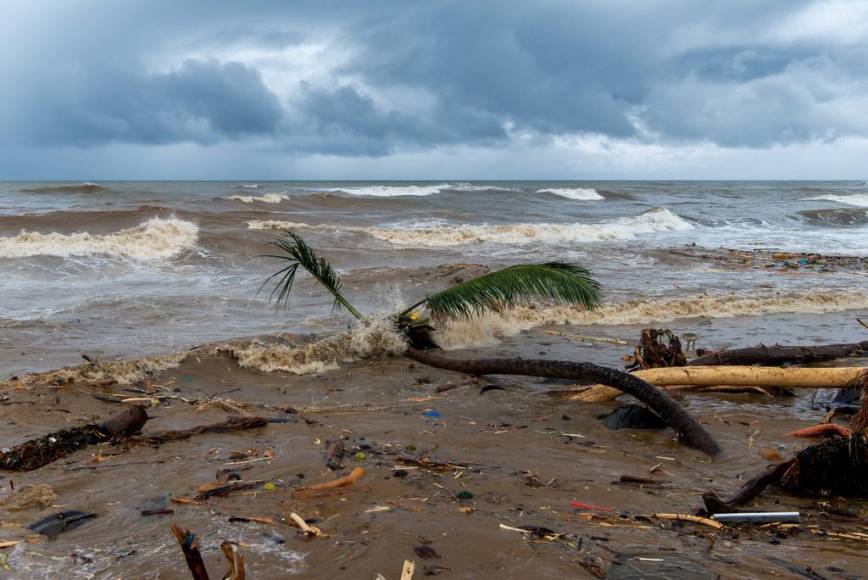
{"x": 235, "y": 562}
{"x": 354, "y": 476}
{"x": 690, "y": 518}
{"x": 305, "y": 527}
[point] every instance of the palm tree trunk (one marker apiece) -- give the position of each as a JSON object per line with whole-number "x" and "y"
{"x": 686, "y": 428}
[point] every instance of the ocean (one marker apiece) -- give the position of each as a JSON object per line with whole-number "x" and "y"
{"x": 121, "y": 269}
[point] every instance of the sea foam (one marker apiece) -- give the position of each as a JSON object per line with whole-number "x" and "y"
{"x": 157, "y": 238}
{"x": 373, "y": 339}
{"x": 440, "y": 234}
{"x": 489, "y": 329}
{"x": 577, "y": 193}
{"x": 857, "y": 199}
{"x": 265, "y": 198}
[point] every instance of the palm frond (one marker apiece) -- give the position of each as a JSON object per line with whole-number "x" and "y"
{"x": 298, "y": 254}
{"x": 553, "y": 281}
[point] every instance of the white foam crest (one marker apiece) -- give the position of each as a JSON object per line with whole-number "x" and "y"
{"x": 265, "y": 198}
{"x": 577, "y": 193}
{"x": 395, "y": 190}
{"x": 279, "y": 225}
{"x": 443, "y": 234}
{"x": 856, "y": 199}
{"x": 250, "y": 185}
{"x": 157, "y": 238}
{"x": 372, "y": 339}
{"x": 489, "y": 329}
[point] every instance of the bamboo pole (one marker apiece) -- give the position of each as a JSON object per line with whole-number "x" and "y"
{"x": 737, "y": 376}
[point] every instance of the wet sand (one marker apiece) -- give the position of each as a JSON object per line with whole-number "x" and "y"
{"x": 524, "y": 453}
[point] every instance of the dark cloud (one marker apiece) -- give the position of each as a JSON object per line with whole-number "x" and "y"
{"x": 396, "y": 76}
{"x": 200, "y": 101}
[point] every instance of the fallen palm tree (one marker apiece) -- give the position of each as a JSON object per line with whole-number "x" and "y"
{"x": 735, "y": 376}
{"x": 495, "y": 291}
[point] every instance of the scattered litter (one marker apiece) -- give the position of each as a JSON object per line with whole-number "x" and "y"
{"x": 578, "y": 505}
{"x": 432, "y": 414}
{"x": 407, "y": 570}
{"x": 54, "y": 525}
{"x": 426, "y": 552}
{"x": 757, "y": 517}
{"x": 463, "y": 495}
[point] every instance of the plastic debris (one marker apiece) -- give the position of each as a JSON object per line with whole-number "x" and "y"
{"x": 757, "y": 517}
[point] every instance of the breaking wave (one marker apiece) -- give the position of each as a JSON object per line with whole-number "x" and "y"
{"x": 439, "y": 234}
{"x": 265, "y": 198}
{"x": 157, "y": 238}
{"x": 857, "y": 199}
{"x": 840, "y": 216}
{"x": 78, "y": 188}
{"x": 416, "y": 190}
{"x": 124, "y": 372}
{"x": 577, "y": 193}
{"x": 374, "y": 339}
{"x": 487, "y": 330}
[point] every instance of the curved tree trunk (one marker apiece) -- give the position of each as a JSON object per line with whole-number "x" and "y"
{"x": 685, "y": 427}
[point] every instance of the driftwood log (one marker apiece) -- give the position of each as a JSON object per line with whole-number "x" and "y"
{"x": 232, "y": 424}
{"x": 39, "y": 452}
{"x": 686, "y": 428}
{"x": 778, "y": 355}
{"x": 737, "y": 376}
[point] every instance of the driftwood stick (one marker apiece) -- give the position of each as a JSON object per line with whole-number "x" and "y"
{"x": 187, "y": 541}
{"x": 750, "y": 490}
{"x": 232, "y": 424}
{"x": 39, "y": 452}
{"x": 344, "y": 481}
{"x": 685, "y": 427}
{"x": 778, "y": 355}
{"x": 234, "y": 561}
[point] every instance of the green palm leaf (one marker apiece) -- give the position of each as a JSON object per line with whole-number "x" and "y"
{"x": 553, "y": 281}
{"x": 298, "y": 254}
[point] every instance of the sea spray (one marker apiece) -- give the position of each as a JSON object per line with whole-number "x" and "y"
{"x": 157, "y": 238}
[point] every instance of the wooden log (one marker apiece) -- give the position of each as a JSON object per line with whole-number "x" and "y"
{"x": 39, "y": 452}
{"x": 737, "y": 376}
{"x": 686, "y": 428}
{"x": 778, "y": 355}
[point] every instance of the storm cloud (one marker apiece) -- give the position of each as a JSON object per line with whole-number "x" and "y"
{"x": 396, "y": 79}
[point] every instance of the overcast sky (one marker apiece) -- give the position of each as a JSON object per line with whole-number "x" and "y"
{"x": 151, "y": 89}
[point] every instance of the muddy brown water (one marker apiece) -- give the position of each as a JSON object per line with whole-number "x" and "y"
{"x": 529, "y": 455}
